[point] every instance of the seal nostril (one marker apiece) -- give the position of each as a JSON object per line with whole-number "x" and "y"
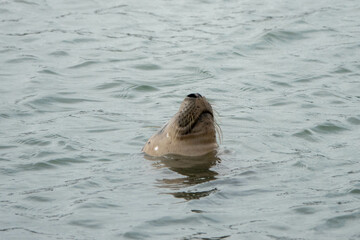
{"x": 194, "y": 95}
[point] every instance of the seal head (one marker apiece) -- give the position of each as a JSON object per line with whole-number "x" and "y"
{"x": 190, "y": 132}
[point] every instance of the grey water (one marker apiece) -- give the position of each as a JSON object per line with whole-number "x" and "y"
{"x": 84, "y": 84}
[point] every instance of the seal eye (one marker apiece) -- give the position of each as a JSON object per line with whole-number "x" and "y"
{"x": 194, "y": 95}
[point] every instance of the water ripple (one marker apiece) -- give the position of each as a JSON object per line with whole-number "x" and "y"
{"x": 307, "y": 135}
{"x": 329, "y": 128}
{"x": 149, "y": 66}
{"x": 83, "y": 82}
{"x": 354, "y": 120}
{"x": 84, "y": 64}
{"x": 342, "y": 220}
{"x": 47, "y": 71}
{"x": 49, "y": 100}
{"x": 22, "y": 59}
{"x": 34, "y": 141}
{"x": 34, "y": 166}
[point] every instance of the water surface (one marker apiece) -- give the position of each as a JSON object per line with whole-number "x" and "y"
{"x": 84, "y": 84}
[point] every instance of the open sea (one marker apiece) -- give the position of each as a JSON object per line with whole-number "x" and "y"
{"x": 84, "y": 84}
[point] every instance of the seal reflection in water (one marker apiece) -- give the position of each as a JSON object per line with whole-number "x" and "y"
{"x": 191, "y": 171}
{"x": 191, "y": 132}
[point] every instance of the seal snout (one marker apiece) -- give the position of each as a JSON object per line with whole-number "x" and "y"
{"x": 194, "y": 95}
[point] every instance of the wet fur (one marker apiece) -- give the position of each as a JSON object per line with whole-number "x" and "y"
{"x": 191, "y": 132}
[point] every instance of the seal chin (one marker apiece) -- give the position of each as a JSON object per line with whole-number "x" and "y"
{"x": 205, "y": 119}
{"x": 191, "y": 132}
{"x": 190, "y": 111}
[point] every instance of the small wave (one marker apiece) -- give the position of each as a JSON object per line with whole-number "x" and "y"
{"x": 110, "y": 85}
{"x": 34, "y": 166}
{"x": 51, "y": 188}
{"x": 39, "y": 199}
{"x": 354, "y": 120}
{"x": 47, "y": 71}
{"x": 302, "y": 164}
{"x": 123, "y": 94}
{"x": 306, "y": 79}
{"x": 196, "y": 72}
{"x": 99, "y": 205}
{"x": 280, "y": 102}
{"x": 112, "y": 10}
{"x": 147, "y": 67}
{"x": 7, "y": 146}
{"x": 87, "y": 223}
{"x": 257, "y": 89}
{"x": 306, "y": 134}
{"x": 324, "y": 93}
{"x": 26, "y": 2}
{"x": 281, "y": 84}
{"x": 126, "y": 87}
{"x": 245, "y": 118}
{"x": 100, "y": 130}
{"x": 145, "y": 88}
{"x": 83, "y": 64}
{"x": 329, "y": 128}
{"x": 66, "y": 161}
{"x": 59, "y": 53}
{"x": 49, "y": 100}
{"x": 26, "y": 230}
{"x": 342, "y": 220}
{"x": 34, "y": 141}
{"x": 48, "y": 164}
{"x": 305, "y": 210}
{"x": 355, "y": 191}
{"x": 25, "y": 58}
{"x": 341, "y": 70}
{"x": 282, "y": 36}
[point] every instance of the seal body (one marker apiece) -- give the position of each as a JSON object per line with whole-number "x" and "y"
{"x": 190, "y": 132}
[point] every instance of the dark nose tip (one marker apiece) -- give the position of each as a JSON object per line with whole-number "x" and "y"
{"x": 194, "y": 95}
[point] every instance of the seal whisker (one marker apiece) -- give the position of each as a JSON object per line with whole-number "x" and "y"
{"x": 217, "y": 126}
{"x": 191, "y": 122}
{"x": 218, "y": 131}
